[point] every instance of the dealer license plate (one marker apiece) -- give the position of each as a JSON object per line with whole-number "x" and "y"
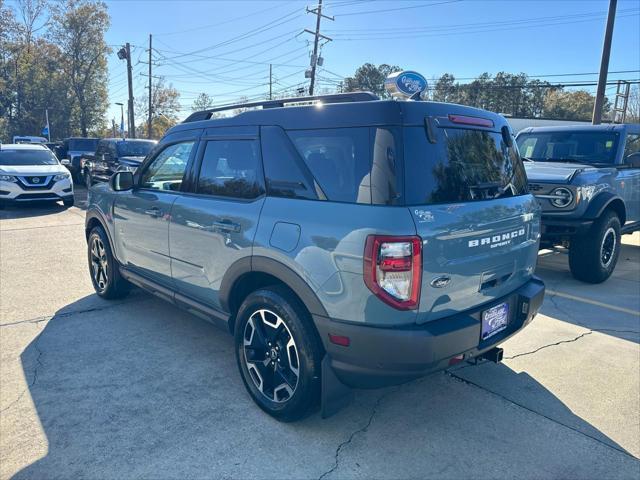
{"x": 494, "y": 320}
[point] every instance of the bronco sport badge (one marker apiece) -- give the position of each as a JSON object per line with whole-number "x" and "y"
{"x": 497, "y": 240}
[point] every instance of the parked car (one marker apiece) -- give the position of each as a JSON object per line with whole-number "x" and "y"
{"x": 587, "y": 180}
{"x": 112, "y": 155}
{"x": 31, "y": 172}
{"x": 73, "y": 149}
{"x": 28, "y": 139}
{"x": 355, "y": 242}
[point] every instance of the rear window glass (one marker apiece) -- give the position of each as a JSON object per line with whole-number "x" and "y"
{"x": 133, "y": 148}
{"x": 339, "y": 160}
{"x": 83, "y": 144}
{"x": 463, "y": 165}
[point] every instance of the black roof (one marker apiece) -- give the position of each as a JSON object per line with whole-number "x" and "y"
{"x": 334, "y": 111}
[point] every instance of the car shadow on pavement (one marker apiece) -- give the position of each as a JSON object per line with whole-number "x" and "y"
{"x": 32, "y": 209}
{"x": 141, "y": 389}
{"x": 612, "y": 307}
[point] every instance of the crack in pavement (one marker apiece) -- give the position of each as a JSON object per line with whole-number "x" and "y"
{"x": 582, "y": 335}
{"x": 42, "y": 226}
{"x": 38, "y": 364}
{"x": 36, "y": 344}
{"x": 469, "y": 382}
{"x": 45, "y": 318}
{"x": 363, "y": 429}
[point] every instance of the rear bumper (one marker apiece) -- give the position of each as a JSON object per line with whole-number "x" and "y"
{"x": 554, "y": 228}
{"x": 378, "y": 357}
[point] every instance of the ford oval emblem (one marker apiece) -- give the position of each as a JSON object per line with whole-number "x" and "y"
{"x": 440, "y": 282}
{"x": 405, "y": 83}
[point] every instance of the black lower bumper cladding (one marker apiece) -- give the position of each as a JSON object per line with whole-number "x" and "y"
{"x": 379, "y": 357}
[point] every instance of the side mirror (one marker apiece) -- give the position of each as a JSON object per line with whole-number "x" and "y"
{"x": 121, "y": 181}
{"x": 633, "y": 160}
{"x": 65, "y": 161}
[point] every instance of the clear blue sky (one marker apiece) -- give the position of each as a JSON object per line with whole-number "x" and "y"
{"x": 223, "y": 48}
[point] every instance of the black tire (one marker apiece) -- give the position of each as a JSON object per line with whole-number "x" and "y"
{"x": 110, "y": 284}
{"x": 593, "y": 257}
{"x": 68, "y": 203}
{"x": 277, "y": 397}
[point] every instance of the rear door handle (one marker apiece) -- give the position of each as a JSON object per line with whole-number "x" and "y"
{"x": 226, "y": 225}
{"x": 154, "y": 212}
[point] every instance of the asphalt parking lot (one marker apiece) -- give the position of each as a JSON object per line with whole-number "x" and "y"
{"x": 138, "y": 388}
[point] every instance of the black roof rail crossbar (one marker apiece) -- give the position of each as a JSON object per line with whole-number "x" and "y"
{"x": 336, "y": 98}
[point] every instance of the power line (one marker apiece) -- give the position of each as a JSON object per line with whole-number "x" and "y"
{"x": 467, "y": 31}
{"x": 204, "y": 27}
{"x": 256, "y": 31}
{"x": 384, "y": 10}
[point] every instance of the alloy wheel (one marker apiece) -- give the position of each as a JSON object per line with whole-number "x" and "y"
{"x": 99, "y": 264}
{"x": 608, "y": 247}
{"x": 271, "y": 355}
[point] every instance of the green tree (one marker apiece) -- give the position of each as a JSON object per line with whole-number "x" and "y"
{"x": 370, "y": 78}
{"x": 445, "y": 89}
{"x": 203, "y": 101}
{"x": 78, "y": 28}
{"x": 571, "y": 105}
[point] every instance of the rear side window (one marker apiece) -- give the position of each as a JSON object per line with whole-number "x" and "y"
{"x": 463, "y": 165}
{"x": 231, "y": 168}
{"x": 339, "y": 159}
{"x": 285, "y": 173}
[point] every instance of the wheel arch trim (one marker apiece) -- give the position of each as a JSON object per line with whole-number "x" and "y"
{"x": 276, "y": 269}
{"x": 603, "y": 201}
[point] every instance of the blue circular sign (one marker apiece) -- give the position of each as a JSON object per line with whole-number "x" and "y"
{"x": 405, "y": 83}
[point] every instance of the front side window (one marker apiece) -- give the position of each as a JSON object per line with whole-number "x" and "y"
{"x": 632, "y": 147}
{"x": 167, "y": 170}
{"x": 231, "y": 168}
{"x": 339, "y": 160}
{"x": 569, "y": 146}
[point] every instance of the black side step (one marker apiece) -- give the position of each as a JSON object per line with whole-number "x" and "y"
{"x": 630, "y": 228}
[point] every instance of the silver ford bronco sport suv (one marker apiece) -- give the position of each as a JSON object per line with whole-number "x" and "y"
{"x": 344, "y": 241}
{"x": 587, "y": 180}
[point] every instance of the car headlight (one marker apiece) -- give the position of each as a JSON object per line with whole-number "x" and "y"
{"x": 61, "y": 176}
{"x": 561, "y": 197}
{"x": 8, "y": 178}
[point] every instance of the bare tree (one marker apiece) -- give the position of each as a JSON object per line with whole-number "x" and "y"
{"x": 633, "y": 106}
{"x": 34, "y": 16}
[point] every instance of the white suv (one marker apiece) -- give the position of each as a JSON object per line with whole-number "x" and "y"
{"x": 30, "y": 172}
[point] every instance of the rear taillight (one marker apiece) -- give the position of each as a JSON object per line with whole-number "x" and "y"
{"x": 393, "y": 269}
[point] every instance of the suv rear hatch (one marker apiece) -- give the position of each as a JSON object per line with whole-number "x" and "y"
{"x": 466, "y": 188}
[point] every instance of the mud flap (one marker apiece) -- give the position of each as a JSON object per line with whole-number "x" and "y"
{"x": 335, "y": 395}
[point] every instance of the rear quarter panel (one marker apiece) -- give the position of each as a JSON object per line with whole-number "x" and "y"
{"x": 328, "y": 252}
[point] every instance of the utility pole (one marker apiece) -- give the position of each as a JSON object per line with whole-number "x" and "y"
{"x": 150, "y": 77}
{"x": 132, "y": 121}
{"x": 604, "y": 64}
{"x": 270, "y": 82}
{"x": 317, "y": 36}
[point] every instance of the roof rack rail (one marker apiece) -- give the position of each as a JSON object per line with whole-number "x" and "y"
{"x": 336, "y": 98}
